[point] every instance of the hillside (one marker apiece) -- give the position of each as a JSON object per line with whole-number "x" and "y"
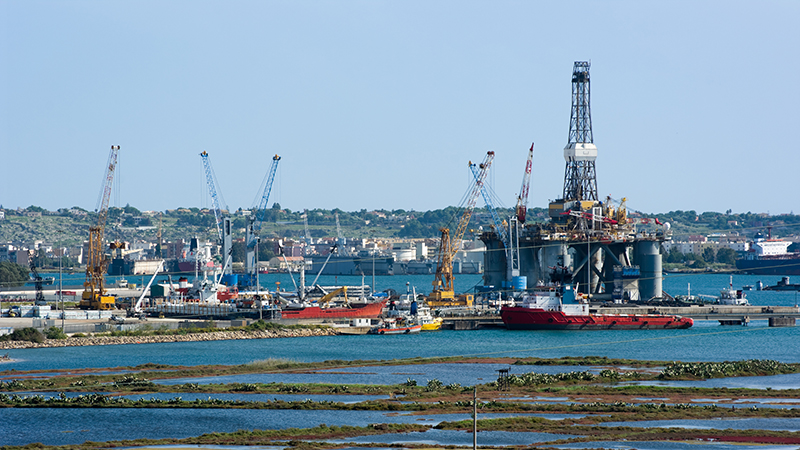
{"x": 70, "y": 226}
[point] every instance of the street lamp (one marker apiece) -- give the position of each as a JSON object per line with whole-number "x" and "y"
{"x": 61, "y": 280}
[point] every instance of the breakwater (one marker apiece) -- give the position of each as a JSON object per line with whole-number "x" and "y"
{"x": 157, "y": 339}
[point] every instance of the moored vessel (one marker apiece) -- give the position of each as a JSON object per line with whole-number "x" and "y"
{"x": 558, "y": 308}
{"x": 731, "y": 296}
{"x": 370, "y": 310}
{"x": 396, "y": 326}
{"x": 768, "y": 256}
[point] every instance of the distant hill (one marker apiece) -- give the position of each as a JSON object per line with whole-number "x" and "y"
{"x": 70, "y": 226}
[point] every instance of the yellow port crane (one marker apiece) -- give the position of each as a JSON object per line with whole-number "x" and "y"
{"x": 443, "y": 293}
{"x": 94, "y": 294}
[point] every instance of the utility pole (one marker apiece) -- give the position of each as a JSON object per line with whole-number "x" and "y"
{"x": 475, "y": 418}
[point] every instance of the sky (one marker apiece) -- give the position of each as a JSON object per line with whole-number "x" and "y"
{"x": 382, "y": 104}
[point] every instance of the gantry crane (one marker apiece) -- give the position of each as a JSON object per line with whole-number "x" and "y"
{"x": 94, "y": 294}
{"x": 223, "y": 223}
{"x": 252, "y": 238}
{"x": 443, "y": 292}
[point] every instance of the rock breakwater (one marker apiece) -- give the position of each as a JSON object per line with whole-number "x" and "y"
{"x": 221, "y": 335}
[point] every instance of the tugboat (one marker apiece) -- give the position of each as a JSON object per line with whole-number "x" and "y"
{"x": 732, "y": 297}
{"x": 559, "y": 308}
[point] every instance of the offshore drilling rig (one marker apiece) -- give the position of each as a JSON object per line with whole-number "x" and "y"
{"x": 587, "y": 242}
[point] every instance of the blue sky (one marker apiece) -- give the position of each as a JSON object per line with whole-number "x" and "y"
{"x": 379, "y": 104}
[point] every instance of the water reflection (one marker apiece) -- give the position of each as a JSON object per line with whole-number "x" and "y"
{"x": 674, "y": 445}
{"x": 785, "y": 381}
{"x": 755, "y": 423}
{"x": 463, "y": 374}
{"x": 71, "y": 426}
{"x": 453, "y": 437}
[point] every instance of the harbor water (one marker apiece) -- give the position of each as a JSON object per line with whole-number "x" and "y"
{"x": 705, "y": 341}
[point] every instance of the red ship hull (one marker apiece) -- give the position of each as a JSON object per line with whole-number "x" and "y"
{"x": 366, "y": 311}
{"x": 516, "y": 318}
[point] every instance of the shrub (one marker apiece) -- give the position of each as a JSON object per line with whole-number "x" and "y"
{"x": 55, "y": 333}
{"x": 24, "y": 334}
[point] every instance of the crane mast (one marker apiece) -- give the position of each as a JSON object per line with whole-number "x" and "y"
{"x": 443, "y": 291}
{"x": 94, "y": 293}
{"x": 254, "y": 227}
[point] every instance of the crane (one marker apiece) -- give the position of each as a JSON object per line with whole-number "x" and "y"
{"x": 37, "y": 279}
{"x": 136, "y": 309}
{"x": 254, "y": 227}
{"x": 307, "y": 236}
{"x": 341, "y": 241}
{"x": 443, "y": 292}
{"x": 522, "y": 200}
{"x": 487, "y": 198}
{"x": 94, "y": 294}
{"x": 223, "y": 223}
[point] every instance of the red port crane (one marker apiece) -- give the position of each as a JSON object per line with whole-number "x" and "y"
{"x": 522, "y": 200}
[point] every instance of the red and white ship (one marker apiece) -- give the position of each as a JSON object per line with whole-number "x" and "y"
{"x": 369, "y": 310}
{"x": 558, "y": 308}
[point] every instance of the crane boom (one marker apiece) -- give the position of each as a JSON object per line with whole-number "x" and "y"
{"x": 94, "y": 294}
{"x": 262, "y": 206}
{"x": 522, "y": 200}
{"x": 211, "y": 180}
{"x": 498, "y": 223}
{"x": 443, "y": 292}
{"x": 254, "y": 226}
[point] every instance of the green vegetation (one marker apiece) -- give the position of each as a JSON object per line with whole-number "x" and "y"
{"x": 597, "y": 400}
{"x": 55, "y": 333}
{"x": 751, "y": 367}
{"x": 12, "y": 274}
{"x": 24, "y": 334}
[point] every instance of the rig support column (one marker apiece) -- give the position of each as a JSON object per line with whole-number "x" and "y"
{"x": 648, "y": 258}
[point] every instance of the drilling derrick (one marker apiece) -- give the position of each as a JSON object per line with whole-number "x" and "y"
{"x": 587, "y": 243}
{"x": 580, "y": 179}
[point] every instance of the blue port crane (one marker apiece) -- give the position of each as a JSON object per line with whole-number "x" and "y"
{"x": 498, "y": 223}
{"x": 222, "y": 222}
{"x": 254, "y": 227}
{"x": 211, "y": 180}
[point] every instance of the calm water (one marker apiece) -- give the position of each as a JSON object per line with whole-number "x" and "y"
{"x": 706, "y": 341}
{"x": 60, "y": 426}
